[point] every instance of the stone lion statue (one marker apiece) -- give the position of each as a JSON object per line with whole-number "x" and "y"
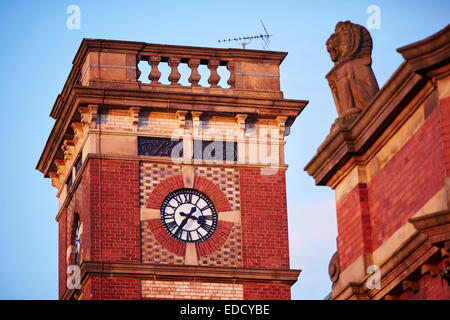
{"x": 351, "y": 80}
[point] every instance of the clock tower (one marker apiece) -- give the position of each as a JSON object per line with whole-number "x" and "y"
{"x": 171, "y": 190}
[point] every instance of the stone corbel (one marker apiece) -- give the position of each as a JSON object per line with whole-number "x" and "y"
{"x": 78, "y": 132}
{"x": 181, "y": 118}
{"x": 61, "y": 168}
{"x": 89, "y": 115}
{"x": 240, "y": 124}
{"x": 134, "y": 114}
{"x": 281, "y": 124}
{"x": 56, "y": 181}
{"x": 196, "y": 122}
{"x": 68, "y": 147}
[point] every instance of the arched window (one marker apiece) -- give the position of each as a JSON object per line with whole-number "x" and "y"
{"x": 76, "y": 244}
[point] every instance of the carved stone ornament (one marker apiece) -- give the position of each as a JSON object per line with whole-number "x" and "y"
{"x": 351, "y": 80}
{"x": 134, "y": 117}
{"x": 333, "y": 268}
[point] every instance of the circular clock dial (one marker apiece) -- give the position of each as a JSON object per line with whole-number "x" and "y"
{"x": 188, "y": 215}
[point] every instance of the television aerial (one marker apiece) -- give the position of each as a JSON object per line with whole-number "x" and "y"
{"x": 243, "y": 41}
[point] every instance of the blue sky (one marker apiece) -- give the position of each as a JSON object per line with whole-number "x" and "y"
{"x": 36, "y": 58}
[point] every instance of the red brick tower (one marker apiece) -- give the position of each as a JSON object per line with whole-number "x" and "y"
{"x": 389, "y": 164}
{"x": 170, "y": 191}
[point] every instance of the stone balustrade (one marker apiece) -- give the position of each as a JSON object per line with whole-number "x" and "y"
{"x": 192, "y": 63}
{"x": 115, "y": 64}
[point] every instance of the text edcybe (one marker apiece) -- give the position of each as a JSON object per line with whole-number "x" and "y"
{"x": 229, "y": 309}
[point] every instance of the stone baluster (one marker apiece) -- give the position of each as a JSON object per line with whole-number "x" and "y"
{"x": 232, "y": 79}
{"x": 174, "y": 75}
{"x": 155, "y": 74}
{"x": 214, "y": 77}
{"x": 195, "y": 76}
{"x": 138, "y": 72}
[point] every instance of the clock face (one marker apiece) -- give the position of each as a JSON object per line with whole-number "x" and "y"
{"x": 188, "y": 215}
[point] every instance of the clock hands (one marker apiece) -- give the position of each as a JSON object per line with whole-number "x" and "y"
{"x": 201, "y": 220}
{"x": 183, "y": 223}
{"x": 180, "y": 227}
{"x": 190, "y": 213}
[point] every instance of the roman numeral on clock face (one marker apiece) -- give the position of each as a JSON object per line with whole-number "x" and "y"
{"x": 171, "y": 224}
{"x": 206, "y": 227}
{"x": 180, "y": 199}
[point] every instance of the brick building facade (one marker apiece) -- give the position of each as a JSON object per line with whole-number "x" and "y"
{"x": 121, "y": 147}
{"x": 389, "y": 167}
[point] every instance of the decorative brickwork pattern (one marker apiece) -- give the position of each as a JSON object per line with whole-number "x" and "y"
{"x": 212, "y": 191}
{"x": 164, "y": 239}
{"x": 151, "y": 174}
{"x": 162, "y": 190}
{"x": 184, "y": 290}
{"x": 221, "y": 185}
{"x": 229, "y": 255}
{"x": 216, "y": 241}
{"x": 228, "y": 181}
{"x": 153, "y": 252}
